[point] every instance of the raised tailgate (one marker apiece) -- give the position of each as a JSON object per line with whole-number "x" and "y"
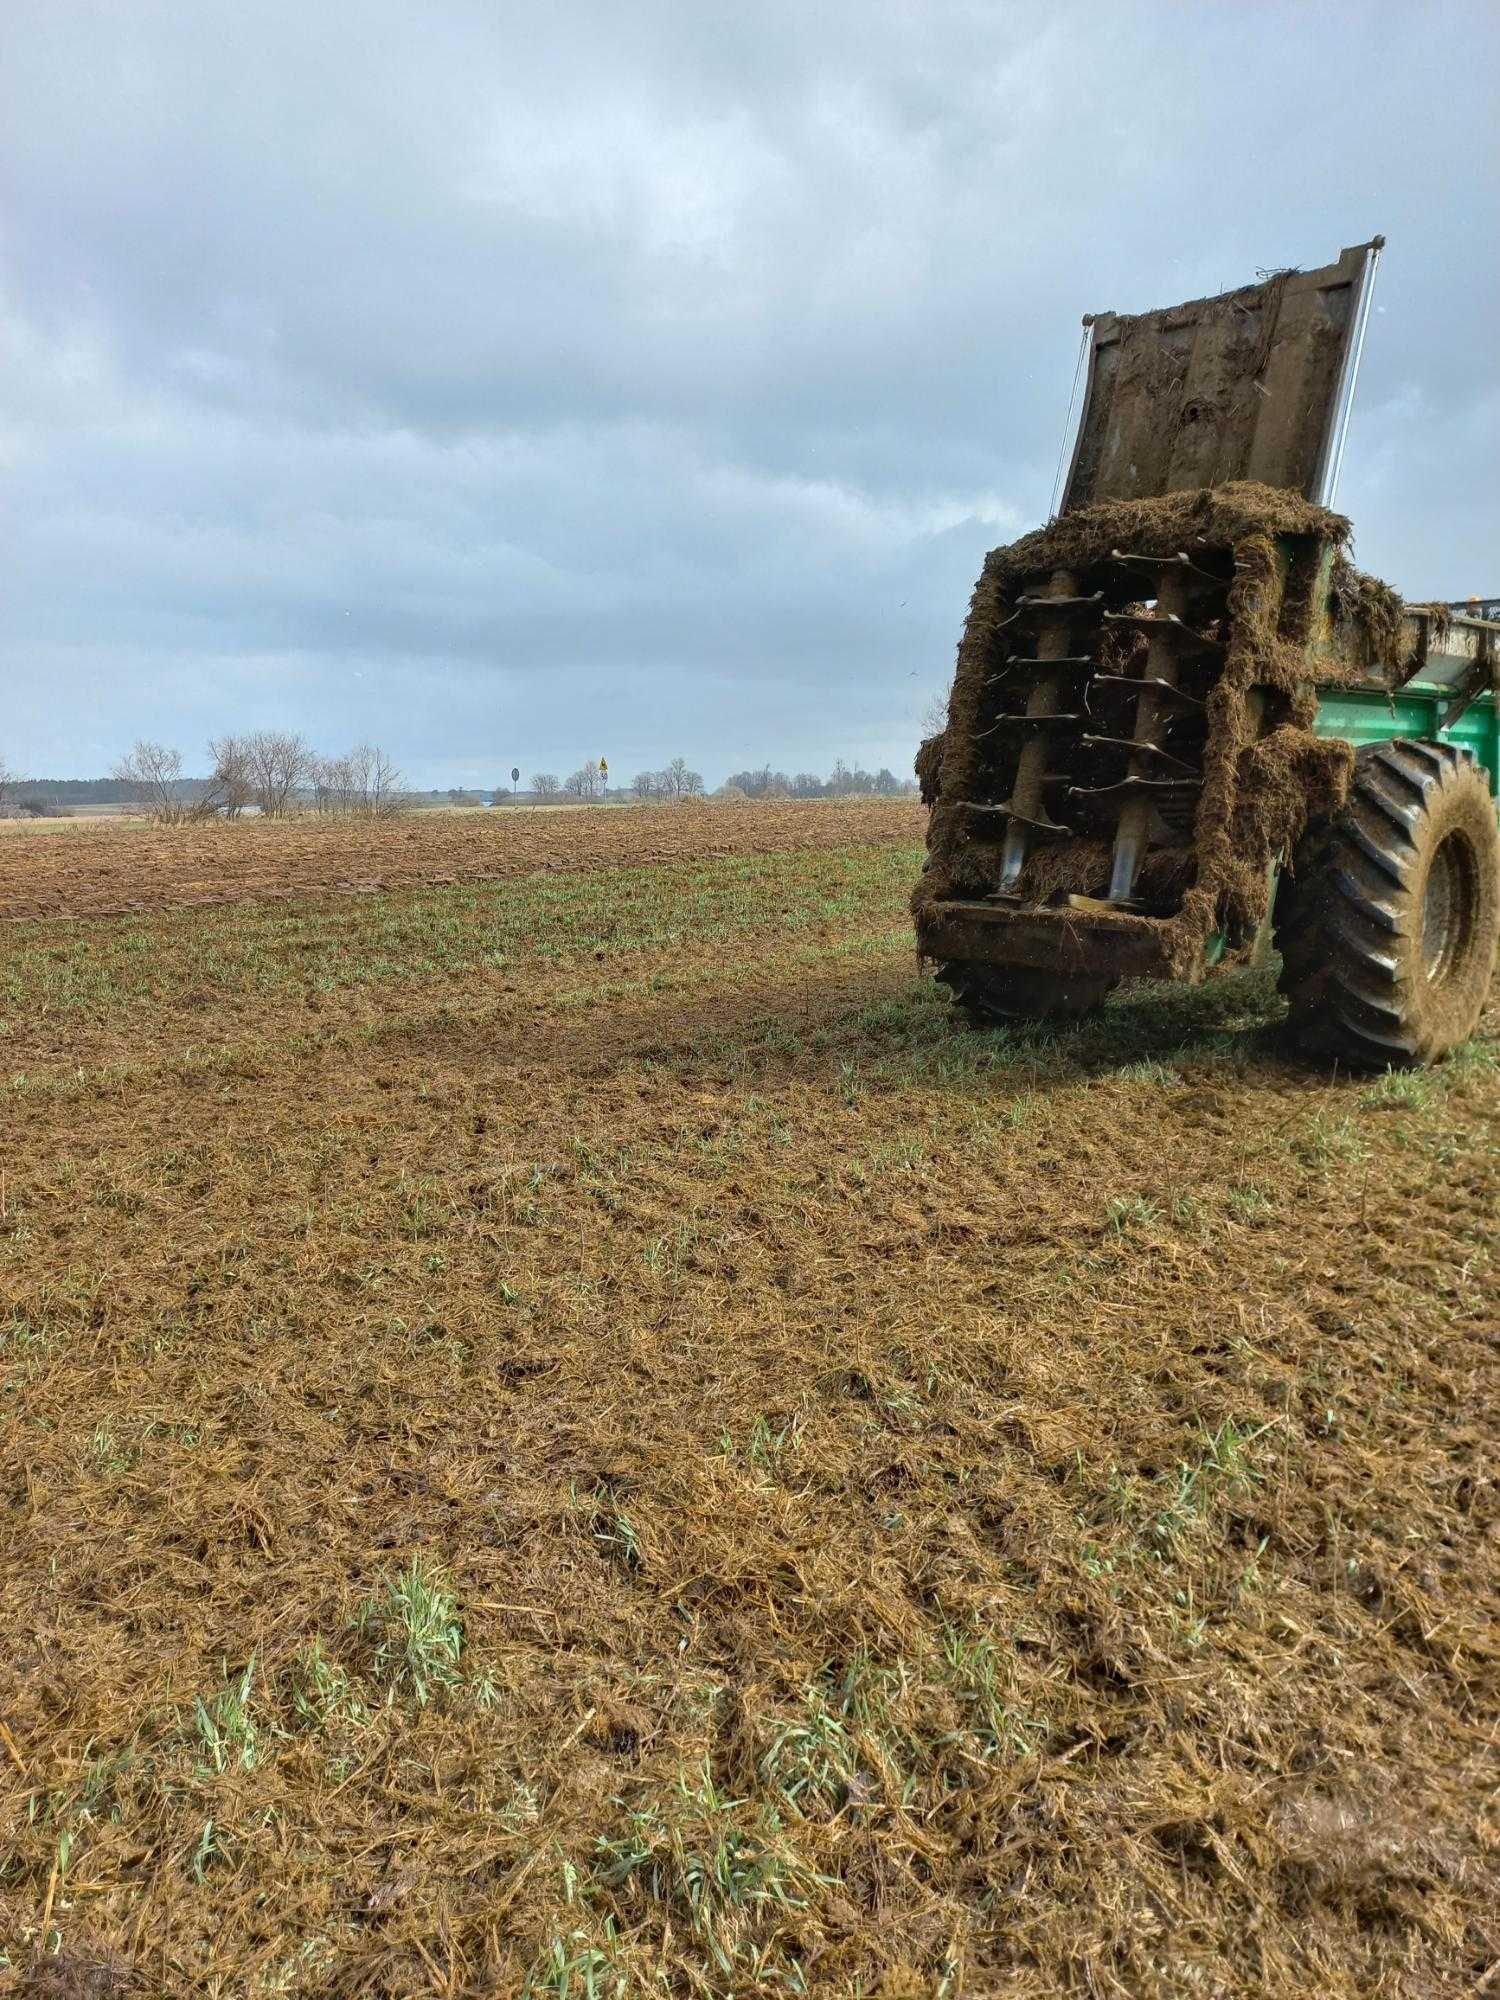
{"x": 1248, "y": 385}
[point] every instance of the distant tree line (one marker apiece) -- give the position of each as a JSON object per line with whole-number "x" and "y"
{"x": 63, "y": 791}
{"x": 677, "y": 781}
{"x": 591, "y": 781}
{"x": 844, "y": 781}
{"x": 275, "y": 773}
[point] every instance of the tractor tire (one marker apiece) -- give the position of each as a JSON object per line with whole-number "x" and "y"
{"x": 1001, "y": 993}
{"x": 1389, "y": 922}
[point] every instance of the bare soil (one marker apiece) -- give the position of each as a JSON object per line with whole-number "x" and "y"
{"x": 101, "y": 872}
{"x": 895, "y": 1510}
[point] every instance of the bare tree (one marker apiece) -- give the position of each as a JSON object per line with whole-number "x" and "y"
{"x": 278, "y": 762}
{"x": 377, "y": 782}
{"x": 151, "y": 774}
{"x": 364, "y": 782}
{"x": 587, "y": 782}
{"x": 686, "y": 784}
{"x": 7, "y": 782}
{"x": 333, "y": 785}
{"x": 231, "y": 785}
{"x": 545, "y": 785}
{"x": 645, "y": 784}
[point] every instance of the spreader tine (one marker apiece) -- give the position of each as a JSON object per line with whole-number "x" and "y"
{"x": 1030, "y": 724}
{"x": 1134, "y": 787}
{"x": 1009, "y": 811}
{"x": 1034, "y": 603}
{"x": 1181, "y": 560}
{"x": 1185, "y": 561}
{"x": 1163, "y": 690}
{"x": 1139, "y": 745}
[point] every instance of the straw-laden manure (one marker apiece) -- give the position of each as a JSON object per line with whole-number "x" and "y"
{"x": 929, "y": 768}
{"x": 1371, "y": 612}
{"x": 1266, "y": 775}
{"x": 899, "y": 1511}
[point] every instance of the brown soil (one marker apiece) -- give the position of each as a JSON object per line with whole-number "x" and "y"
{"x": 111, "y": 871}
{"x": 1020, "y": 1519}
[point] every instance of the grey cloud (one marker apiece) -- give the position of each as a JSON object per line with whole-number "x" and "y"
{"x": 491, "y": 380}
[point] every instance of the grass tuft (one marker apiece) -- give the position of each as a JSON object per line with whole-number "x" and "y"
{"x": 322, "y": 1695}
{"x": 718, "y": 1864}
{"x": 226, "y": 1729}
{"x": 975, "y": 1667}
{"x": 416, "y": 1631}
{"x": 1127, "y": 1214}
{"x": 575, "y": 1968}
{"x": 1223, "y": 1467}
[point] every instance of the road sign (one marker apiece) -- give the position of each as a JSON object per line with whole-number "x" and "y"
{"x": 515, "y": 774}
{"x": 604, "y": 767}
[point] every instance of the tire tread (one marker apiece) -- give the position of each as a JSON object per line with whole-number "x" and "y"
{"x": 1344, "y": 914}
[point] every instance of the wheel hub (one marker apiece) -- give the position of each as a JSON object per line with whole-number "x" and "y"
{"x": 1448, "y": 907}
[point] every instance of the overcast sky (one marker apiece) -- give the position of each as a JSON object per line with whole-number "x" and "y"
{"x": 512, "y": 384}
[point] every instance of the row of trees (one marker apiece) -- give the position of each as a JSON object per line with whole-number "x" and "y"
{"x": 275, "y": 773}
{"x": 269, "y": 771}
{"x": 676, "y": 781}
{"x": 591, "y": 781}
{"x": 20, "y": 798}
{"x": 844, "y": 781}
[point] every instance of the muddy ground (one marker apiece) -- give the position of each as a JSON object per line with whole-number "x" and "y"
{"x": 580, "y": 1435}
{"x": 92, "y": 868}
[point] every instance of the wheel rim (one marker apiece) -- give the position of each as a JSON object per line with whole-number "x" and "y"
{"x": 1448, "y": 906}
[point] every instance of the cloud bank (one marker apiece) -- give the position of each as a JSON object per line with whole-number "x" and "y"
{"x": 513, "y": 385}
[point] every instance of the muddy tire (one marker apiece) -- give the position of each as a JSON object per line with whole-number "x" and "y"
{"x": 1388, "y": 924}
{"x": 991, "y": 993}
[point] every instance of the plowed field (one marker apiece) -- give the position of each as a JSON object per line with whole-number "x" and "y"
{"x": 578, "y": 1434}
{"x": 95, "y": 868}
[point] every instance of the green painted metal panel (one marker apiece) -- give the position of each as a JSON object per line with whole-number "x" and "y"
{"x": 1366, "y": 715}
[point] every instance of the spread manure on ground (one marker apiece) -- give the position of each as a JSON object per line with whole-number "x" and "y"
{"x": 576, "y": 1433}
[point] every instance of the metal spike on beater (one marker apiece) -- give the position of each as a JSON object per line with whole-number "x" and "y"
{"x": 1025, "y": 804}
{"x": 1182, "y": 560}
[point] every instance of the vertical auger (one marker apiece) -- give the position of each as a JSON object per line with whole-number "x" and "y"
{"x": 1161, "y": 668}
{"x": 1026, "y": 808}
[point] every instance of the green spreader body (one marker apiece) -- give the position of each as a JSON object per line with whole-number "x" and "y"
{"x": 1432, "y": 706}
